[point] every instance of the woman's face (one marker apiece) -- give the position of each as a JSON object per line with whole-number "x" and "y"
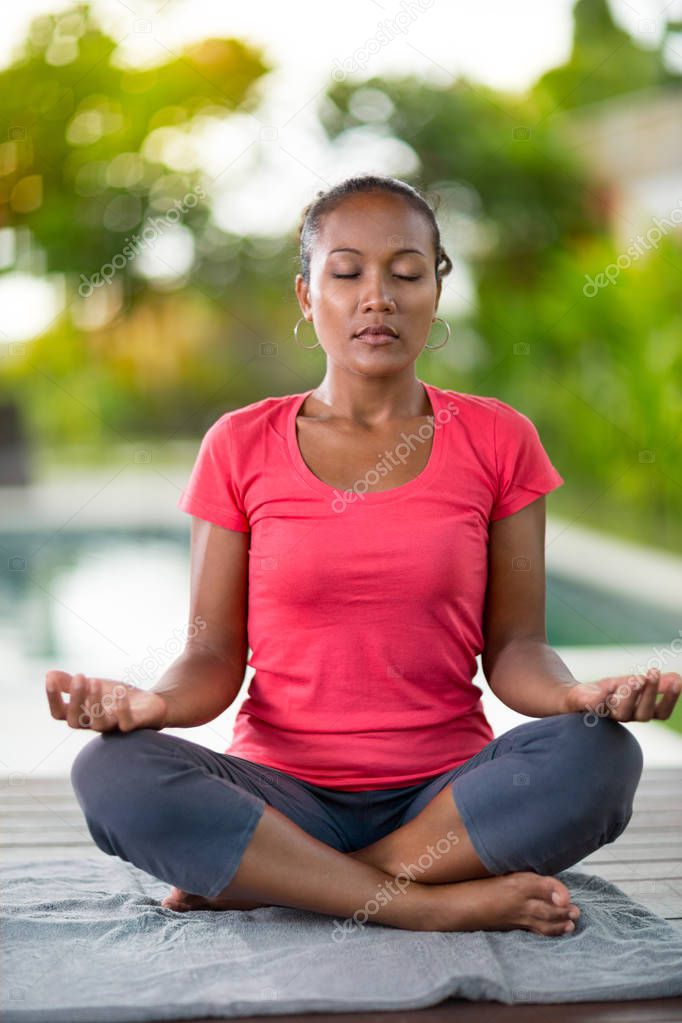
{"x": 375, "y": 283}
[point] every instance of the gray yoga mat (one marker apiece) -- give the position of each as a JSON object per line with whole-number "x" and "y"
{"x": 86, "y": 940}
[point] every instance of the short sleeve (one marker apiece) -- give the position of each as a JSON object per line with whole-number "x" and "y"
{"x": 524, "y": 470}
{"x": 211, "y": 492}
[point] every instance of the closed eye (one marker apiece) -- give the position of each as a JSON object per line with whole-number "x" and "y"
{"x": 401, "y": 276}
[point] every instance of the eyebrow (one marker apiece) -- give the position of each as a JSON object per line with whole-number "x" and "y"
{"x": 398, "y": 252}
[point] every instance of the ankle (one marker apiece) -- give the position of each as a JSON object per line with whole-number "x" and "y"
{"x": 409, "y": 905}
{"x": 428, "y": 911}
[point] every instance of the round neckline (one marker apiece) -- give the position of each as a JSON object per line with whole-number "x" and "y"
{"x": 419, "y": 481}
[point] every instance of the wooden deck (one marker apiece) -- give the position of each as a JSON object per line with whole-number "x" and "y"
{"x": 40, "y": 818}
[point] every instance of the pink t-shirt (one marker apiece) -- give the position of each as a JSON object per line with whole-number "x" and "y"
{"x": 365, "y": 609}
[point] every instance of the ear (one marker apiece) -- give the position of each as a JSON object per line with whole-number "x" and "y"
{"x": 303, "y": 295}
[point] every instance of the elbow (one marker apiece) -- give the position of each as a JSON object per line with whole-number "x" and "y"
{"x": 493, "y": 650}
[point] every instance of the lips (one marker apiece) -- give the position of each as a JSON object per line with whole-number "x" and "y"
{"x": 375, "y": 340}
{"x": 378, "y": 330}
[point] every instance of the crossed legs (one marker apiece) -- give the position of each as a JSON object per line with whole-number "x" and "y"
{"x": 520, "y": 839}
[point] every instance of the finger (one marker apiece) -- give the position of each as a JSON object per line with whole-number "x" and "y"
{"x": 112, "y": 707}
{"x": 94, "y": 705}
{"x": 85, "y": 710}
{"x": 103, "y": 708}
{"x": 667, "y": 686}
{"x": 628, "y": 692}
{"x": 646, "y": 704}
{"x": 124, "y": 712}
{"x": 76, "y": 696}
{"x": 90, "y": 716}
{"x": 613, "y": 697}
{"x": 60, "y": 679}
{"x": 54, "y": 696}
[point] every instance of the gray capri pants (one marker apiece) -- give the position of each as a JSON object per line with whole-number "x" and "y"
{"x": 539, "y": 797}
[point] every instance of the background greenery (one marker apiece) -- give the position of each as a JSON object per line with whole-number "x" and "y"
{"x": 86, "y": 161}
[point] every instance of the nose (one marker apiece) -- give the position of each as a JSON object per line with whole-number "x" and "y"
{"x": 377, "y": 296}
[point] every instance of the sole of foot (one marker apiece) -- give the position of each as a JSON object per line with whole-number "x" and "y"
{"x": 183, "y": 902}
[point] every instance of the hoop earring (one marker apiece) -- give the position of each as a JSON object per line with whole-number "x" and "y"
{"x": 433, "y": 348}
{"x": 307, "y": 347}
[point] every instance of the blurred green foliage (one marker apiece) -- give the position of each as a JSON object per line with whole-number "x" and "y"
{"x": 95, "y": 132}
{"x": 604, "y": 60}
{"x": 91, "y": 150}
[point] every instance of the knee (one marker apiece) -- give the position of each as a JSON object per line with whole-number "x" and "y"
{"x": 604, "y": 742}
{"x": 102, "y": 765}
{"x": 606, "y": 761}
{"x": 113, "y": 786}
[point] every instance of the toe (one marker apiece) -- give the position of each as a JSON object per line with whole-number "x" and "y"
{"x": 553, "y": 929}
{"x": 558, "y": 893}
{"x": 546, "y": 912}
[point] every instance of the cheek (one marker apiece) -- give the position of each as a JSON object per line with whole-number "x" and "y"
{"x": 336, "y": 301}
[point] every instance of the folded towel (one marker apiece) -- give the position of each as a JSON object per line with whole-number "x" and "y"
{"x": 87, "y": 940}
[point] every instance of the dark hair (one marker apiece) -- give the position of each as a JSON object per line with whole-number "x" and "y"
{"x": 327, "y": 201}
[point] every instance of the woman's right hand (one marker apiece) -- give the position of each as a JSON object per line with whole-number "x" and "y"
{"x": 103, "y": 704}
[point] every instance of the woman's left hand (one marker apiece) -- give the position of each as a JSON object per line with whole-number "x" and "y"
{"x": 627, "y": 697}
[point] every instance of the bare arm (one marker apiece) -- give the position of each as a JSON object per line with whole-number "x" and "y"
{"x": 521, "y": 668}
{"x": 206, "y": 678}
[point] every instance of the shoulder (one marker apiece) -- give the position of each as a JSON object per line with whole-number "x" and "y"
{"x": 482, "y": 409}
{"x": 239, "y": 435}
{"x": 497, "y": 432}
{"x": 254, "y": 416}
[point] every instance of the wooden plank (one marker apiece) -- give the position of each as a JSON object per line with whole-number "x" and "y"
{"x": 652, "y": 784}
{"x": 665, "y": 870}
{"x": 660, "y": 775}
{"x": 654, "y": 787}
{"x": 651, "y": 807}
{"x": 633, "y": 844}
{"x": 639, "y": 854}
{"x": 638, "y": 836}
{"x": 26, "y": 853}
{"x": 13, "y": 792}
{"x": 659, "y": 817}
{"x": 659, "y": 801}
{"x": 667, "y": 789}
{"x": 660, "y": 772}
{"x": 58, "y": 838}
{"x": 457, "y": 1010}
{"x": 30, "y": 798}
{"x": 15, "y": 821}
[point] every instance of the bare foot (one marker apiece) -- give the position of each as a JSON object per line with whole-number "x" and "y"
{"x": 182, "y": 901}
{"x": 521, "y": 900}
{"x": 506, "y": 902}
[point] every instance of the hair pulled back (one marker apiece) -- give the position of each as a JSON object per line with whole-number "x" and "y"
{"x": 325, "y": 202}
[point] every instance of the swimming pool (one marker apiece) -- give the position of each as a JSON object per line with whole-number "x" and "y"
{"x": 114, "y": 603}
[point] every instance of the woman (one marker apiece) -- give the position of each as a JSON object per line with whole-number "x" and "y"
{"x": 366, "y": 538}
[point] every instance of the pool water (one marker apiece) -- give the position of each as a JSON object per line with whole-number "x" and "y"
{"x": 114, "y": 603}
